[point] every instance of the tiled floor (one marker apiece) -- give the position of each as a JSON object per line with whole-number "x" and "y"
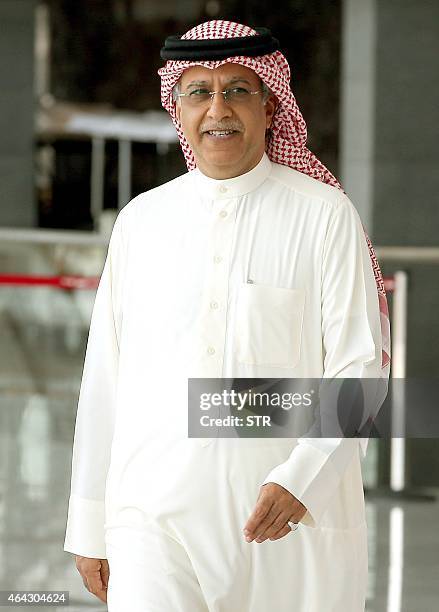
{"x": 42, "y": 341}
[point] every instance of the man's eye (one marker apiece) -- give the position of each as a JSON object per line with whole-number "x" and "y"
{"x": 199, "y": 92}
{"x": 238, "y": 91}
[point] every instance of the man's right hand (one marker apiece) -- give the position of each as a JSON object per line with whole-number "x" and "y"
{"x": 95, "y": 574}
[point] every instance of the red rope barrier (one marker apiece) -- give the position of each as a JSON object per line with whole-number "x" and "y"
{"x": 61, "y": 282}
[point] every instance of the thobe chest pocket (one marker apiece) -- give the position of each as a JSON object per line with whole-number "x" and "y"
{"x": 269, "y": 325}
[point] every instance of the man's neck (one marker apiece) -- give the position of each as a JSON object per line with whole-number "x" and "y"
{"x": 221, "y": 174}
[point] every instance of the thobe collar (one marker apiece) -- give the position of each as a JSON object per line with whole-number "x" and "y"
{"x": 223, "y": 189}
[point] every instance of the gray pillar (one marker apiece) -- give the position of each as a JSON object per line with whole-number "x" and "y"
{"x": 389, "y": 117}
{"x": 357, "y": 105}
{"x": 17, "y": 201}
{"x": 407, "y": 123}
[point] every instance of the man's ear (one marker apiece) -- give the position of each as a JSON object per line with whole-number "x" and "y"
{"x": 178, "y": 111}
{"x": 270, "y": 109}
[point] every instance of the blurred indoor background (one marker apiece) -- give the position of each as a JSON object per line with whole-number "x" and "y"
{"x": 82, "y": 131}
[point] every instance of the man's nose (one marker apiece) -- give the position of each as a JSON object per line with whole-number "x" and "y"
{"x": 218, "y": 107}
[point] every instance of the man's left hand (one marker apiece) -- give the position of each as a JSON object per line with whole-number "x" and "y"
{"x": 275, "y": 506}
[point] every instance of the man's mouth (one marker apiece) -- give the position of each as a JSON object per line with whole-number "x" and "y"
{"x": 221, "y": 133}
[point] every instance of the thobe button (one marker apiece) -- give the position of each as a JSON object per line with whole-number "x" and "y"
{"x": 214, "y": 304}
{"x": 223, "y": 189}
{"x": 223, "y": 213}
{"x": 217, "y": 258}
{"x": 210, "y": 350}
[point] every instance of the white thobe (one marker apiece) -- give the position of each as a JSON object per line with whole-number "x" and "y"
{"x": 267, "y": 275}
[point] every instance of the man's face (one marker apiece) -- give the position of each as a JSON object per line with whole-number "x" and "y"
{"x": 220, "y": 156}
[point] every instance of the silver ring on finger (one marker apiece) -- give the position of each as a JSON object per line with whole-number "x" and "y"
{"x": 293, "y": 526}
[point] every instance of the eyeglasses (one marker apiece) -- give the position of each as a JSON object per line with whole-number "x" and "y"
{"x": 232, "y": 95}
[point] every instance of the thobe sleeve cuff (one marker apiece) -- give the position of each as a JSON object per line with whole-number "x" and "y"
{"x": 85, "y": 528}
{"x": 310, "y": 476}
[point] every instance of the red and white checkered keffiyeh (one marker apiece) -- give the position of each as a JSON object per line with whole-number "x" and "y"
{"x": 286, "y": 143}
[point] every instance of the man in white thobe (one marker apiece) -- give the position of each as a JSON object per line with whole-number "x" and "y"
{"x": 253, "y": 264}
